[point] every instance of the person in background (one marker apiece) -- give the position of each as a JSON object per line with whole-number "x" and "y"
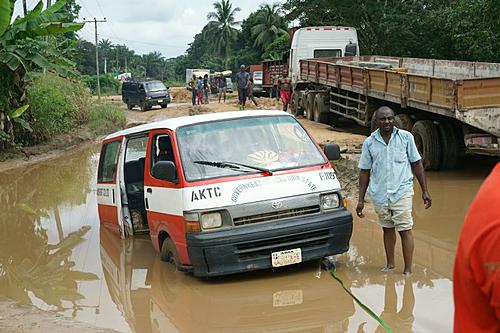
{"x": 222, "y": 88}
{"x": 193, "y": 86}
{"x": 285, "y": 89}
{"x": 199, "y": 89}
{"x": 476, "y": 275}
{"x": 250, "y": 91}
{"x": 389, "y": 159}
{"x": 241, "y": 81}
{"x": 206, "y": 89}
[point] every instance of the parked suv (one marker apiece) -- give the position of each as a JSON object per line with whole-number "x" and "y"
{"x": 145, "y": 94}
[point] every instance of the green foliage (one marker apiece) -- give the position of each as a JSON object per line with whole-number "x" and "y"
{"x": 224, "y": 34}
{"x": 269, "y": 26}
{"x": 106, "y": 118}
{"x": 109, "y": 85}
{"x": 275, "y": 50}
{"x": 57, "y": 106}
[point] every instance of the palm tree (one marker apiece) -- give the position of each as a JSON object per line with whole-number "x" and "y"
{"x": 270, "y": 26}
{"x": 226, "y": 33}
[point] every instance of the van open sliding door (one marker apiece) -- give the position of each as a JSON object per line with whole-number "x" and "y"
{"x": 108, "y": 186}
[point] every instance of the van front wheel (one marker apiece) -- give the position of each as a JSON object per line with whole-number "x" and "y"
{"x": 169, "y": 252}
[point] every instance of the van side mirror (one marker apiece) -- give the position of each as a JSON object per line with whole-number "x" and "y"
{"x": 351, "y": 49}
{"x": 165, "y": 170}
{"x": 332, "y": 151}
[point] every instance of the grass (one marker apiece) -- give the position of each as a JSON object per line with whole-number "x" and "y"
{"x": 106, "y": 118}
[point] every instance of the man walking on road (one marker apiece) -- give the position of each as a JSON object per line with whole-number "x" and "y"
{"x": 241, "y": 81}
{"x": 389, "y": 159}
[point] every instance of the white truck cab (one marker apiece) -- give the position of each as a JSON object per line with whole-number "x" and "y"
{"x": 321, "y": 42}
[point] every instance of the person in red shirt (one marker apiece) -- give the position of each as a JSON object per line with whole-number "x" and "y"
{"x": 476, "y": 275}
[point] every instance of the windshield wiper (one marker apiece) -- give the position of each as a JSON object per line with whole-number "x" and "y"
{"x": 233, "y": 166}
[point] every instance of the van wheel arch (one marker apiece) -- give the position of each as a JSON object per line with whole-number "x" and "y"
{"x": 168, "y": 251}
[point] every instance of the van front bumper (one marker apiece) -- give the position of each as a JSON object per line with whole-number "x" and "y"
{"x": 249, "y": 247}
{"x": 158, "y": 101}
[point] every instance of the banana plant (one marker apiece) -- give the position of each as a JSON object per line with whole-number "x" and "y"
{"x": 22, "y": 50}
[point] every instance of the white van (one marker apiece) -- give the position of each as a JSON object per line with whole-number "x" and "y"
{"x": 226, "y": 192}
{"x": 321, "y": 42}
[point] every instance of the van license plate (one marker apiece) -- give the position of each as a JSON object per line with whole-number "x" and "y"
{"x": 160, "y": 101}
{"x": 288, "y": 257}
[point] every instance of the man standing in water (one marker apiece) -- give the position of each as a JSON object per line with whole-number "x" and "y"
{"x": 389, "y": 159}
{"x": 241, "y": 81}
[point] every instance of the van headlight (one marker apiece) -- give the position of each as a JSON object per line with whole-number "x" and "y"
{"x": 211, "y": 220}
{"x": 329, "y": 201}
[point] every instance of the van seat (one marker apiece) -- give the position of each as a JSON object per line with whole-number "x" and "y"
{"x": 134, "y": 177}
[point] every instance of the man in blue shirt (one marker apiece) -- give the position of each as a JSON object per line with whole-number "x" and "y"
{"x": 241, "y": 81}
{"x": 389, "y": 159}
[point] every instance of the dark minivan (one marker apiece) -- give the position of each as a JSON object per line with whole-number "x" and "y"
{"x": 145, "y": 94}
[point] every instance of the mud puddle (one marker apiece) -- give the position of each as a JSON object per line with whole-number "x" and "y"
{"x": 54, "y": 255}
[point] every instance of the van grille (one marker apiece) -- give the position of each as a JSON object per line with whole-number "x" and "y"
{"x": 276, "y": 215}
{"x": 263, "y": 248}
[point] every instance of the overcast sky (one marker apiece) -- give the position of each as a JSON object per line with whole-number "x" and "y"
{"x": 167, "y": 26}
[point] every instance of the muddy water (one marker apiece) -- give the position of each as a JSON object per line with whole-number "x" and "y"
{"x": 54, "y": 255}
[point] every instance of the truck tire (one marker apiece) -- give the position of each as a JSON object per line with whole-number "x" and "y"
{"x": 320, "y": 109}
{"x": 143, "y": 107}
{"x": 403, "y": 121}
{"x": 294, "y": 104}
{"x": 373, "y": 123}
{"x": 448, "y": 138}
{"x": 129, "y": 106}
{"x": 309, "y": 109}
{"x": 169, "y": 253}
{"x": 426, "y": 137}
{"x": 164, "y": 106}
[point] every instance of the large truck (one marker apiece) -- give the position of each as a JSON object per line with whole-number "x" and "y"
{"x": 307, "y": 43}
{"x": 197, "y": 72}
{"x": 451, "y": 107}
{"x": 255, "y": 72}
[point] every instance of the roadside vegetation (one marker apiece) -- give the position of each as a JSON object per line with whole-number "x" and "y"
{"x": 42, "y": 95}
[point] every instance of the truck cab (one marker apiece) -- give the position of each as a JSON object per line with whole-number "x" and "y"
{"x": 320, "y": 42}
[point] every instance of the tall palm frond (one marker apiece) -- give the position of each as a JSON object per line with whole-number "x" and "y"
{"x": 226, "y": 33}
{"x": 270, "y": 26}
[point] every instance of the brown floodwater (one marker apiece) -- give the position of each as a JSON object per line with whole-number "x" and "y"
{"x": 54, "y": 255}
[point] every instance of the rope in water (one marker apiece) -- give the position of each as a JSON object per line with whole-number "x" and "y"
{"x": 331, "y": 268}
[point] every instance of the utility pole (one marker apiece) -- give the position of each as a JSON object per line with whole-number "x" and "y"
{"x": 95, "y": 21}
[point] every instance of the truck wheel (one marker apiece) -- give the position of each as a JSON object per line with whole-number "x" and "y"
{"x": 403, "y": 121}
{"x": 449, "y": 145}
{"x": 309, "y": 110}
{"x": 427, "y": 140}
{"x": 320, "y": 109}
{"x": 169, "y": 252}
{"x": 129, "y": 106}
{"x": 142, "y": 105}
{"x": 164, "y": 106}
{"x": 373, "y": 123}
{"x": 294, "y": 103}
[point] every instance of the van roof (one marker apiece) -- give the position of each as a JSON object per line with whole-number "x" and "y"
{"x": 174, "y": 123}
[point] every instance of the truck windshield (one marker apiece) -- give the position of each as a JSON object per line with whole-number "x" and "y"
{"x": 327, "y": 53}
{"x": 155, "y": 86}
{"x": 266, "y": 143}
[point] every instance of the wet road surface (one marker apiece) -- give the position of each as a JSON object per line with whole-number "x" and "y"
{"x": 54, "y": 255}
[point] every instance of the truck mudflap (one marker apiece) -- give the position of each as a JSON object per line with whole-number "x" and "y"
{"x": 250, "y": 247}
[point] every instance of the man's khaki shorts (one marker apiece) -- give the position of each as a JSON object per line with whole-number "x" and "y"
{"x": 397, "y": 215}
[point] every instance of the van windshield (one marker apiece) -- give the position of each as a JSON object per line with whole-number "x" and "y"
{"x": 155, "y": 86}
{"x": 262, "y": 143}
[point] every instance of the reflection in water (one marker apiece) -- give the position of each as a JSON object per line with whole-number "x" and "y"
{"x": 157, "y": 298}
{"x": 30, "y": 265}
{"x": 46, "y": 246}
